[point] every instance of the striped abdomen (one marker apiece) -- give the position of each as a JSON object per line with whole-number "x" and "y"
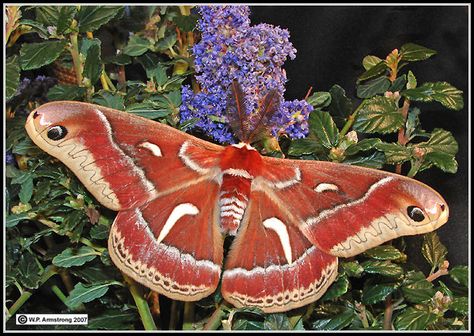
{"x": 233, "y": 200}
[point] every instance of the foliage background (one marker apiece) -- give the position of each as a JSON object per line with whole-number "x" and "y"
{"x": 58, "y": 259}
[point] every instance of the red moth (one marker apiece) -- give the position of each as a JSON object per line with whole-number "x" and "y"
{"x": 177, "y": 196}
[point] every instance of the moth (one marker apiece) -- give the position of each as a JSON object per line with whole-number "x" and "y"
{"x": 178, "y": 196}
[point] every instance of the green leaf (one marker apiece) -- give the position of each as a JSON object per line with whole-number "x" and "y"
{"x": 375, "y": 70}
{"x": 460, "y": 305}
{"x": 362, "y": 146}
{"x": 12, "y": 76}
{"x": 87, "y": 293}
{"x": 394, "y": 152}
{"x": 443, "y": 161}
{"x": 322, "y": 125}
{"x": 120, "y": 59}
{"x": 166, "y": 43}
{"x": 137, "y": 46}
{"x": 414, "y": 319}
{"x": 373, "y": 87}
{"x": 374, "y": 293}
{"x": 338, "y": 288}
{"x": 370, "y": 61}
{"x": 75, "y": 257}
{"x": 99, "y": 232}
{"x": 442, "y": 92}
{"x": 441, "y": 141}
{"x": 244, "y": 324}
{"x": 411, "y": 84}
{"x": 340, "y": 104}
{"x": 398, "y": 84}
{"x": 433, "y": 250}
{"x": 186, "y": 23}
{"x": 93, "y": 65}
{"x": 460, "y": 275}
{"x": 108, "y": 99}
{"x": 352, "y": 268}
{"x": 337, "y": 322}
{"x": 375, "y": 160}
{"x": 382, "y": 267}
{"x": 277, "y": 321}
{"x": 148, "y": 110}
{"x": 319, "y": 99}
{"x": 66, "y": 92}
{"x": 413, "y": 52}
{"x": 48, "y": 15}
{"x": 378, "y": 115}
{"x": 29, "y": 271}
{"x": 113, "y": 319}
{"x": 305, "y": 146}
{"x": 36, "y": 27}
{"x": 416, "y": 288}
{"x": 93, "y": 272}
{"x": 26, "y": 190}
{"x": 90, "y": 18}
{"x": 65, "y": 16}
{"x": 36, "y": 55}
{"x": 385, "y": 252}
{"x": 13, "y": 219}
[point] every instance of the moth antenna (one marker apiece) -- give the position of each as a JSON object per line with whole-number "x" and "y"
{"x": 262, "y": 117}
{"x": 236, "y": 112}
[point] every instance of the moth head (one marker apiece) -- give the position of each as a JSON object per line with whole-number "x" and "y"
{"x": 424, "y": 207}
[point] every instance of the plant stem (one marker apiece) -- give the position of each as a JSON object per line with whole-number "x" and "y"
{"x": 443, "y": 270}
{"x": 350, "y": 120}
{"x": 402, "y": 139}
{"x": 174, "y": 315}
{"x": 76, "y": 58}
{"x": 215, "y": 320}
{"x": 142, "y": 305}
{"x": 59, "y": 293}
{"x": 188, "y": 316}
{"x": 387, "y": 318}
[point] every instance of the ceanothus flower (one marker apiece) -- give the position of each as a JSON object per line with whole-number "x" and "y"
{"x": 230, "y": 48}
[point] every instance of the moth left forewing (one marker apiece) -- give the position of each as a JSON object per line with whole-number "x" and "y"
{"x": 345, "y": 210}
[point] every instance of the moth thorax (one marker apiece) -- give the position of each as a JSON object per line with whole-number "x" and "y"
{"x": 233, "y": 201}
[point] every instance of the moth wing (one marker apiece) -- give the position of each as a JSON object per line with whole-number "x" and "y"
{"x": 345, "y": 209}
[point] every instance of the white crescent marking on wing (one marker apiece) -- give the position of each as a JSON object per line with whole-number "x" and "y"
{"x": 153, "y": 148}
{"x": 326, "y": 187}
{"x": 279, "y": 227}
{"x": 179, "y": 211}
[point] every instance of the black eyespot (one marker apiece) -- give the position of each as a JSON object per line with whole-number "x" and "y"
{"x": 57, "y": 132}
{"x": 415, "y": 213}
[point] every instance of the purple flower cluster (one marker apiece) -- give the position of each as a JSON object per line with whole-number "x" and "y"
{"x": 230, "y": 49}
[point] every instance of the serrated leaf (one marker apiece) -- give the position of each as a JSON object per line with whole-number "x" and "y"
{"x": 75, "y": 257}
{"x": 443, "y": 161}
{"x": 137, "y": 46}
{"x": 442, "y": 92}
{"x": 375, "y": 160}
{"x": 375, "y": 70}
{"x": 352, "y": 268}
{"x": 99, "y": 231}
{"x": 29, "y": 272}
{"x": 378, "y": 115}
{"x": 243, "y": 324}
{"x": 93, "y": 65}
{"x": 186, "y": 23}
{"x": 441, "y": 141}
{"x": 382, "y": 267}
{"x": 87, "y": 293}
{"x": 65, "y": 92}
{"x": 362, "y": 146}
{"x": 148, "y": 110}
{"x": 413, "y": 52}
{"x": 277, "y": 321}
{"x": 319, "y": 99}
{"x": 338, "y": 288}
{"x": 322, "y": 125}
{"x": 340, "y": 104}
{"x": 36, "y": 55}
{"x": 374, "y": 293}
{"x": 398, "y": 84}
{"x": 370, "y": 61}
{"x": 414, "y": 319}
{"x": 66, "y": 14}
{"x": 108, "y": 99}
{"x": 26, "y": 190}
{"x": 113, "y": 319}
{"x": 384, "y": 252}
{"x": 373, "y": 87}
{"x": 93, "y": 272}
{"x": 304, "y": 146}
{"x": 460, "y": 275}
{"x": 433, "y": 250}
{"x": 394, "y": 152}
{"x": 416, "y": 288}
{"x": 12, "y": 76}
{"x": 90, "y": 18}
{"x": 337, "y": 322}
{"x": 460, "y": 305}
{"x": 166, "y": 43}
{"x": 411, "y": 80}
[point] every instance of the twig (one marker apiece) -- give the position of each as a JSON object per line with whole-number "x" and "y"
{"x": 142, "y": 305}
{"x": 188, "y": 316}
{"x": 443, "y": 270}
{"x": 402, "y": 139}
{"x": 215, "y": 320}
{"x": 387, "y": 318}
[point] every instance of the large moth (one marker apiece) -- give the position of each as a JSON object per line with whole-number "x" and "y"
{"x": 177, "y": 196}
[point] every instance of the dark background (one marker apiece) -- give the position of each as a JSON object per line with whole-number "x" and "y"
{"x": 331, "y": 42}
